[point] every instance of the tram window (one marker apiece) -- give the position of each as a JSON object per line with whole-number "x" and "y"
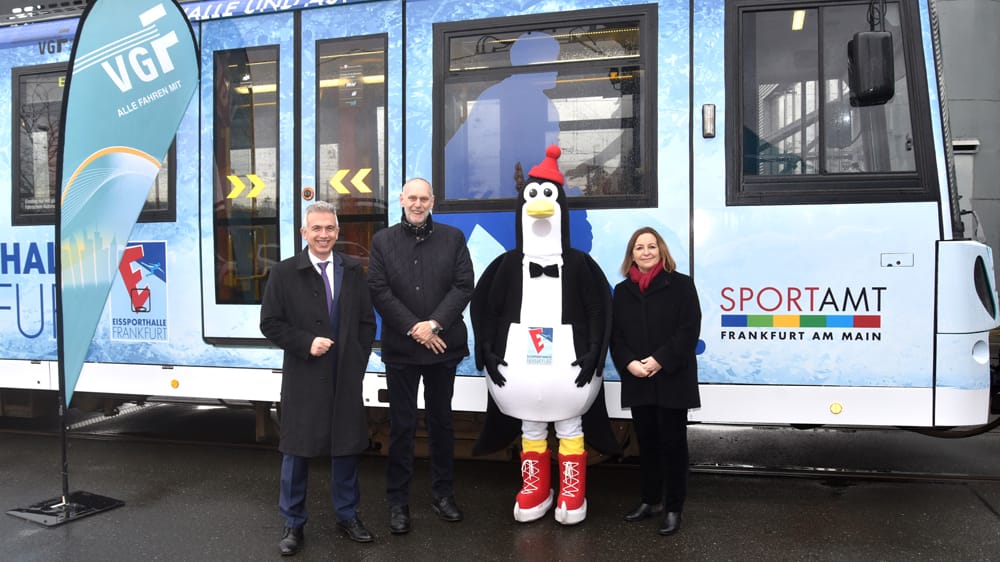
{"x": 38, "y": 96}
{"x": 159, "y": 206}
{"x": 799, "y": 138}
{"x": 351, "y": 122}
{"x": 245, "y": 132}
{"x": 506, "y": 88}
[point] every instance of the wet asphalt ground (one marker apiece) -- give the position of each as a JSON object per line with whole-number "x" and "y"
{"x": 197, "y": 487}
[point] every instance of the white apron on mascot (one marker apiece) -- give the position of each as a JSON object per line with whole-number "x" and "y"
{"x": 536, "y": 387}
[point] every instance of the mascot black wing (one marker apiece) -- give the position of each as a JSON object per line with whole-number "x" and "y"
{"x": 499, "y": 429}
{"x": 539, "y": 313}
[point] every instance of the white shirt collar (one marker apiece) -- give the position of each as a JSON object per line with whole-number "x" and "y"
{"x": 316, "y": 261}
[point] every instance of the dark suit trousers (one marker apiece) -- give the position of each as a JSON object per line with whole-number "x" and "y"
{"x": 663, "y": 454}
{"x": 344, "y": 489}
{"x": 439, "y": 385}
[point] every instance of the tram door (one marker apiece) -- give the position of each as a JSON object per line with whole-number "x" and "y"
{"x": 294, "y": 110}
{"x": 815, "y": 220}
{"x": 349, "y": 127}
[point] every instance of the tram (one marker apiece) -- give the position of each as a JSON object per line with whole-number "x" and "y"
{"x": 795, "y": 155}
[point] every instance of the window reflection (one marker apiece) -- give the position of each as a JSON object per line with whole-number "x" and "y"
{"x": 797, "y": 116}
{"x": 246, "y": 172}
{"x": 350, "y": 133}
{"x": 39, "y": 105}
{"x": 509, "y": 93}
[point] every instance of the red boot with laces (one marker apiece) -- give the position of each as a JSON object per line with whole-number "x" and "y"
{"x": 535, "y": 497}
{"x": 571, "y": 507}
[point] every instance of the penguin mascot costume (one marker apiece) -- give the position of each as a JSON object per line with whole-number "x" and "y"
{"x": 541, "y": 315}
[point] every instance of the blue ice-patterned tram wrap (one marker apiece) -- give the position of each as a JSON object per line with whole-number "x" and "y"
{"x": 804, "y": 187}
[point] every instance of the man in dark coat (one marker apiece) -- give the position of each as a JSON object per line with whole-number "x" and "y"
{"x": 322, "y": 318}
{"x": 421, "y": 279}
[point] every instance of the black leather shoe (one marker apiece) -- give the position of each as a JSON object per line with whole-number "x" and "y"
{"x": 446, "y": 509}
{"x": 642, "y": 511}
{"x": 399, "y": 519}
{"x": 671, "y": 523}
{"x": 355, "y": 530}
{"x": 291, "y": 541}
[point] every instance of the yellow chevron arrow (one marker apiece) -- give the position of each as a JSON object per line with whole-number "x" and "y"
{"x": 258, "y": 185}
{"x": 358, "y": 180}
{"x": 238, "y": 187}
{"x": 335, "y": 182}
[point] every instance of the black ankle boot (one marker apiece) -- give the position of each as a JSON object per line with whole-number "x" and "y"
{"x": 671, "y": 523}
{"x": 642, "y": 511}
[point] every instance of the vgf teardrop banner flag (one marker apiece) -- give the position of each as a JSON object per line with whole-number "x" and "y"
{"x": 133, "y": 73}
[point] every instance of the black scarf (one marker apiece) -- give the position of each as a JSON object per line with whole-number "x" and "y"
{"x": 420, "y": 231}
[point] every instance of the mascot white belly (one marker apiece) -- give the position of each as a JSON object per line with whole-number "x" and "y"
{"x": 539, "y": 354}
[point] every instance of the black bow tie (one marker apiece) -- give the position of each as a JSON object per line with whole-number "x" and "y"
{"x": 537, "y": 270}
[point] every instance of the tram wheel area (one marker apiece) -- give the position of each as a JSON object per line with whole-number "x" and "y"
{"x": 753, "y": 449}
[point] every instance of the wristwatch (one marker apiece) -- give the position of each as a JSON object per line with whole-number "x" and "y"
{"x": 436, "y": 328}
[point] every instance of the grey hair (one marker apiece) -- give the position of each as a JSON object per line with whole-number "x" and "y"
{"x": 321, "y": 207}
{"x": 418, "y": 180}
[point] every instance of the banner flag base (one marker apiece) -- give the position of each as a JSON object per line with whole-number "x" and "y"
{"x": 55, "y": 512}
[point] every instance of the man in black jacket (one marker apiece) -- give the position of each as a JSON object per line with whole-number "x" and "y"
{"x": 327, "y": 340}
{"x": 421, "y": 279}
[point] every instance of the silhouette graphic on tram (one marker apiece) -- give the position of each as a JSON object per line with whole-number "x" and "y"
{"x": 510, "y": 123}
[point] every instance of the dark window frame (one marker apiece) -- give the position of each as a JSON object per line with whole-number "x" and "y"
{"x": 875, "y": 187}
{"x": 168, "y": 214}
{"x": 646, "y": 14}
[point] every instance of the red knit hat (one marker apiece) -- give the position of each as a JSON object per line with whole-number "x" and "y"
{"x": 548, "y": 169}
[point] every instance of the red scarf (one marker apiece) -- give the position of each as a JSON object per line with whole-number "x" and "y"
{"x": 644, "y": 279}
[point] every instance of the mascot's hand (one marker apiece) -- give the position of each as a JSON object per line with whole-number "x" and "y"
{"x": 492, "y": 360}
{"x": 587, "y": 363}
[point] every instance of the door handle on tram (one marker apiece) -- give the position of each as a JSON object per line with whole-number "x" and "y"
{"x": 708, "y": 121}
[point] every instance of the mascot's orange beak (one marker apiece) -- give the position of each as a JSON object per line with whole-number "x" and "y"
{"x": 540, "y": 209}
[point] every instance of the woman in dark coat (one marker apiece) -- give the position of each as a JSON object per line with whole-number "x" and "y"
{"x": 655, "y": 329}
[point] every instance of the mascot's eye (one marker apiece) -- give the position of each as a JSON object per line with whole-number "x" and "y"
{"x": 548, "y": 192}
{"x": 533, "y": 193}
